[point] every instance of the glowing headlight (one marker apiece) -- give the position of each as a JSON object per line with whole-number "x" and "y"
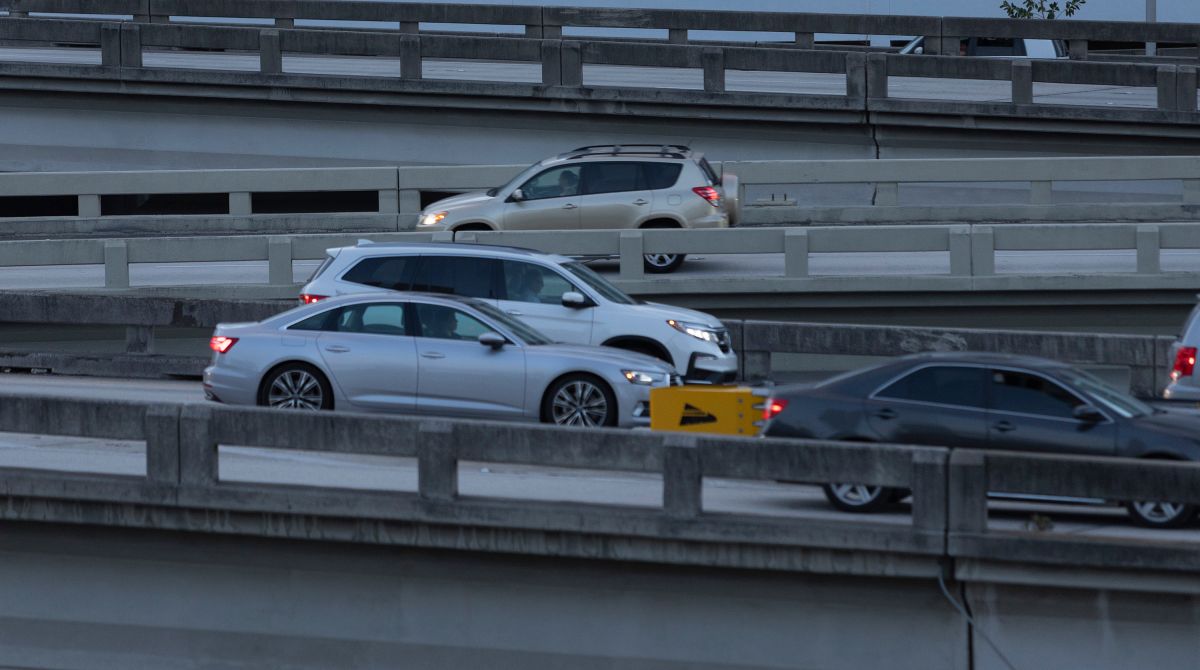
{"x": 432, "y": 218}
{"x": 696, "y": 330}
{"x": 643, "y": 378}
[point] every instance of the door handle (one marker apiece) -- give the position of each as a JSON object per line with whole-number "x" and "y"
{"x": 886, "y": 414}
{"x": 640, "y": 201}
{"x": 432, "y": 354}
{"x": 514, "y": 312}
{"x": 1003, "y": 426}
{"x": 337, "y": 349}
{"x": 570, "y": 205}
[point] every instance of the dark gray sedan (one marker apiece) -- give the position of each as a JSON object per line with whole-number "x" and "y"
{"x": 985, "y": 401}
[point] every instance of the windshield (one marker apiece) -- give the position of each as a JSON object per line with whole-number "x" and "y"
{"x": 519, "y": 178}
{"x": 1117, "y": 401}
{"x": 597, "y": 283}
{"x": 519, "y": 328}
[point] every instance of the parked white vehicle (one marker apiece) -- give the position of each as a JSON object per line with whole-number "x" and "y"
{"x": 998, "y": 47}
{"x": 558, "y": 296}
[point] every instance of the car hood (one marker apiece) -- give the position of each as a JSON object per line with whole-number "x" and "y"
{"x": 609, "y": 355}
{"x": 460, "y": 200}
{"x": 678, "y": 313}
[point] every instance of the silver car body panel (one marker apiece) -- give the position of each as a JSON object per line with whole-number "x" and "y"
{"x": 1186, "y": 387}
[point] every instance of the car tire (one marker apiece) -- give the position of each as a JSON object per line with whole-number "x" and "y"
{"x": 858, "y": 497}
{"x": 1155, "y": 514}
{"x": 657, "y": 264}
{"x": 579, "y": 400}
{"x": 295, "y": 386}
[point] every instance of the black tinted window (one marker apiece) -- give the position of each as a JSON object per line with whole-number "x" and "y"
{"x": 1031, "y": 394}
{"x": 997, "y": 46}
{"x": 611, "y": 178}
{"x": 941, "y": 384}
{"x": 326, "y": 320}
{"x": 459, "y": 275}
{"x": 385, "y": 272}
{"x": 660, "y": 175}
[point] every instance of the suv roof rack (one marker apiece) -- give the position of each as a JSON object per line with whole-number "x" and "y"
{"x": 663, "y": 150}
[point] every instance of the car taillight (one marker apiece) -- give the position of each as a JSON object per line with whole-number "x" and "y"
{"x": 773, "y": 407}
{"x": 221, "y": 344}
{"x": 708, "y": 193}
{"x": 310, "y": 298}
{"x": 1185, "y": 362}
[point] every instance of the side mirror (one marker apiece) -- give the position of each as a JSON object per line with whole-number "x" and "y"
{"x": 517, "y": 196}
{"x": 493, "y": 340}
{"x": 575, "y": 299}
{"x": 1088, "y": 413}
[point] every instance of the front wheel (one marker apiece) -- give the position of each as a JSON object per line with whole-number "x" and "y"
{"x": 1157, "y": 514}
{"x": 295, "y": 386}
{"x": 579, "y": 400}
{"x": 662, "y": 263}
{"x": 858, "y": 497}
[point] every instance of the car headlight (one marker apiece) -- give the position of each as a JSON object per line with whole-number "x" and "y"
{"x": 644, "y": 378}
{"x": 433, "y": 218}
{"x": 696, "y": 330}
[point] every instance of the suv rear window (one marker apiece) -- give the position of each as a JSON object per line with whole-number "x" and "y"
{"x": 661, "y": 175}
{"x": 460, "y": 275}
{"x": 392, "y": 272}
{"x": 709, "y": 172}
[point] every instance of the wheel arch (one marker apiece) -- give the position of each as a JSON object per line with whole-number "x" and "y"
{"x": 662, "y": 351}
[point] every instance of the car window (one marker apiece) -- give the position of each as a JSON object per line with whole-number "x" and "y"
{"x": 521, "y": 329}
{"x": 942, "y": 384}
{"x": 611, "y": 178}
{"x": 372, "y": 318}
{"x": 468, "y": 276}
{"x": 597, "y": 283}
{"x": 326, "y": 320}
{"x": 556, "y": 182}
{"x": 997, "y": 46}
{"x": 527, "y": 282}
{"x": 1031, "y": 394}
{"x": 448, "y": 323}
{"x": 390, "y": 272}
{"x": 709, "y": 172}
{"x": 660, "y": 175}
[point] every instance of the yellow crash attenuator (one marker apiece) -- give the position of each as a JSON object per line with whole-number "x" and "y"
{"x": 722, "y": 410}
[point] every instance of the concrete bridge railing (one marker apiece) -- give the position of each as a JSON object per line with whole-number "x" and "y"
{"x": 949, "y": 509}
{"x": 941, "y": 33}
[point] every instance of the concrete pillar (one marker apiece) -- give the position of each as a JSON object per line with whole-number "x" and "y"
{"x": 270, "y": 52}
{"x": 110, "y": 45}
{"x": 571, "y": 62}
{"x": 240, "y": 204}
{"x": 131, "y": 45}
{"x": 683, "y": 480}
{"x": 795, "y": 252}
{"x": 677, "y": 35}
{"x": 279, "y": 261}
{"x": 162, "y": 444}
{"x": 1041, "y": 192}
{"x": 887, "y": 194}
{"x": 551, "y": 32}
{"x": 756, "y": 365}
{"x": 410, "y": 57}
{"x": 877, "y": 76}
{"x": 1191, "y": 191}
{"x": 630, "y": 248}
{"x": 533, "y": 31}
{"x": 17, "y": 14}
{"x": 443, "y": 237}
{"x": 714, "y": 70}
{"x": 139, "y": 339}
{"x": 983, "y": 251}
{"x": 932, "y": 46}
{"x": 1022, "y": 82}
{"x": 959, "y": 245}
{"x": 856, "y": 75}
{"x": 285, "y": 23}
{"x": 1185, "y": 88}
{"x": 88, "y": 206}
{"x": 198, "y": 462}
{"x": 437, "y": 464}
{"x": 966, "y": 498}
{"x": 1078, "y": 49}
{"x": 409, "y": 207}
{"x": 1148, "y": 250}
{"x": 1167, "y": 93}
{"x": 410, "y": 27}
{"x": 389, "y": 201}
{"x": 929, "y": 475}
{"x": 805, "y": 40}
{"x": 551, "y": 63}
{"x": 116, "y": 264}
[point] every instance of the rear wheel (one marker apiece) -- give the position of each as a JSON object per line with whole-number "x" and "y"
{"x": 1158, "y": 514}
{"x": 295, "y": 386}
{"x": 858, "y": 497}
{"x": 579, "y": 400}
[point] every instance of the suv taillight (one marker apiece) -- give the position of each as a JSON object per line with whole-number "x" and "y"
{"x": 773, "y": 407}
{"x": 1185, "y": 362}
{"x": 221, "y": 344}
{"x": 708, "y": 193}
{"x": 310, "y": 298}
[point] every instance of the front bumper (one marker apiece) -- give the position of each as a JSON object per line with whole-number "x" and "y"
{"x": 704, "y": 368}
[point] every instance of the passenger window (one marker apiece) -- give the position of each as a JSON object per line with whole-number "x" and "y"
{"x": 661, "y": 175}
{"x": 459, "y": 275}
{"x": 526, "y": 282}
{"x": 390, "y": 272}
{"x": 611, "y": 178}
{"x": 447, "y": 323}
{"x": 557, "y": 182}
{"x": 945, "y": 385}
{"x": 326, "y": 320}
{"x": 373, "y": 318}
{"x": 1031, "y": 394}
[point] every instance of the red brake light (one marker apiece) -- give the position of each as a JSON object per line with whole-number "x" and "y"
{"x": 221, "y": 344}
{"x": 1185, "y": 362}
{"x": 773, "y": 408}
{"x": 310, "y": 298}
{"x": 710, "y": 194}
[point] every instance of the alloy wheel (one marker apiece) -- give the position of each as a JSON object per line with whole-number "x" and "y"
{"x": 296, "y": 389}
{"x": 1158, "y": 512}
{"x": 660, "y": 260}
{"x": 856, "y": 495}
{"x": 579, "y": 403}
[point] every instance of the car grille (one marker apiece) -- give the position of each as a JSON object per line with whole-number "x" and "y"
{"x": 723, "y": 340}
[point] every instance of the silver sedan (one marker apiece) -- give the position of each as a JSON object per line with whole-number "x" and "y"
{"x": 433, "y": 354}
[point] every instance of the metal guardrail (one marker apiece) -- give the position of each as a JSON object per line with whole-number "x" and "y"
{"x": 562, "y": 62}
{"x": 949, "y": 486}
